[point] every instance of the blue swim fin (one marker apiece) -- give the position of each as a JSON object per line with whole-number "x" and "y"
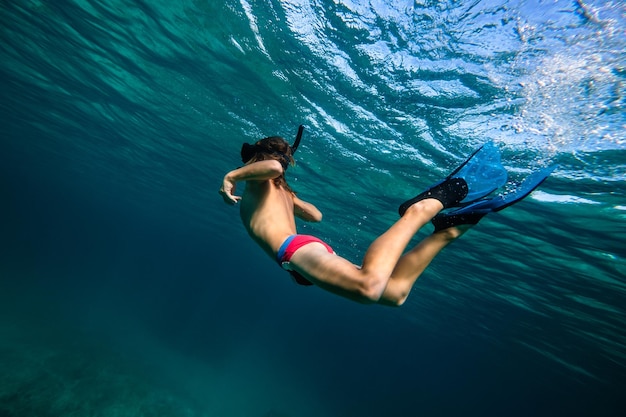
{"x": 480, "y": 174}
{"x": 472, "y": 213}
{"x": 483, "y": 173}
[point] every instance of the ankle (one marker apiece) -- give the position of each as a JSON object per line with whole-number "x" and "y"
{"x": 454, "y": 232}
{"x": 428, "y": 206}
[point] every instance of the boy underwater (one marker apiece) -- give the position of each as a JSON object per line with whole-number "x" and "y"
{"x": 387, "y": 274}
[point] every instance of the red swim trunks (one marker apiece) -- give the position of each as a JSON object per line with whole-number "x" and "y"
{"x": 289, "y": 247}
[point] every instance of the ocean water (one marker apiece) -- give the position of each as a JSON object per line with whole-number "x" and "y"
{"x": 128, "y": 288}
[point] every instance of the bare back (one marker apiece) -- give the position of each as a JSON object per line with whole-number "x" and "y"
{"x": 267, "y": 212}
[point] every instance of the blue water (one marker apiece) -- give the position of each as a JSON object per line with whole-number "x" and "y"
{"x": 128, "y": 288}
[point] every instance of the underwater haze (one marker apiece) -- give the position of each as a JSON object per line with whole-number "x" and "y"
{"x": 128, "y": 287}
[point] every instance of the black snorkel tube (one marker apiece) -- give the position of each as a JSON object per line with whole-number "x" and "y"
{"x": 248, "y": 151}
{"x": 296, "y": 143}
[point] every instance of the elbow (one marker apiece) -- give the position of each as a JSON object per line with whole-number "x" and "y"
{"x": 275, "y": 168}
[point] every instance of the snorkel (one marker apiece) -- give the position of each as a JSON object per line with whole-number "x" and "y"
{"x": 296, "y": 143}
{"x": 248, "y": 151}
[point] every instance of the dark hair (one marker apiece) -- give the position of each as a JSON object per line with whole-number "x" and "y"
{"x": 272, "y": 147}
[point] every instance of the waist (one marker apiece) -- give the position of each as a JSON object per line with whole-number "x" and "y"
{"x": 282, "y": 250}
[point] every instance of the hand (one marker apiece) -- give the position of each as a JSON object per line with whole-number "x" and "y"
{"x": 228, "y": 192}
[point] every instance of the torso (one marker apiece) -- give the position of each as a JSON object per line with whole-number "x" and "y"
{"x": 267, "y": 212}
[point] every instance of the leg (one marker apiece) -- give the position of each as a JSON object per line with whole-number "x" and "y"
{"x": 368, "y": 283}
{"x": 413, "y": 263}
{"x": 383, "y": 254}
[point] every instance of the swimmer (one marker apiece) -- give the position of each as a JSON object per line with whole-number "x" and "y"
{"x": 387, "y": 273}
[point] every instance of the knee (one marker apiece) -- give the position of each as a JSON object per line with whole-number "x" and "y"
{"x": 371, "y": 288}
{"x": 393, "y": 295}
{"x": 399, "y": 299}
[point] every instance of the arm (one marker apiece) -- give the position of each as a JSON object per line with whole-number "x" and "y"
{"x": 306, "y": 211}
{"x": 256, "y": 171}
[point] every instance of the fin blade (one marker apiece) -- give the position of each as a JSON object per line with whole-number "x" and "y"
{"x": 483, "y": 172}
{"x": 530, "y": 184}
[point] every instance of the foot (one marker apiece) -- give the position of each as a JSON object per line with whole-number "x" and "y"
{"x": 449, "y": 193}
{"x": 447, "y": 221}
{"x": 472, "y": 213}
